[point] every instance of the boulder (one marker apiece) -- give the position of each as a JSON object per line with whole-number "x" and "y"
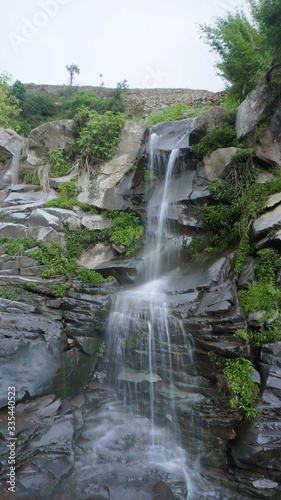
{"x": 170, "y": 135}
{"x": 17, "y": 230}
{"x": 51, "y": 135}
{"x": 95, "y": 222}
{"x": 11, "y": 144}
{"x": 218, "y": 163}
{"x": 40, "y": 217}
{"x": 49, "y": 235}
{"x": 266, "y": 222}
{"x": 255, "y": 104}
{"x": 269, "y": 147}
{"x": 109, "y": 187}
{"x": 209, "y": 119}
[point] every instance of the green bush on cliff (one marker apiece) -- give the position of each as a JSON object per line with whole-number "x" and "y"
{"x": 99, "y": 138}
{"x": 59, "y": 166}
{"x": 60, "y": 263}
{"x": 18, "y": 246}
{"x": 239, "y": 373}
{"x": 177, "y": 111}
{"x": 222, "y": 136}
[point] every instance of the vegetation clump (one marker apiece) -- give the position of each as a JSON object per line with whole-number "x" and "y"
{"x": 177, "y": 111}
{"x": 239, "y": 373}
{"x": 222, "y": 136}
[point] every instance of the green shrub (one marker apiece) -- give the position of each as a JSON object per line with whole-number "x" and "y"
{"x": 29, "y": 176}
{"x": 67, "y": 196}
{"x": 126, "y": 231}
{"x": 59, "y": 167}
{"x": 239, "y": 373}
{"x": 14, "y": 246}
{"x": 60, "y": 289}
{"x": 222, "y": 136}
{"x": 101, "y": 135}
{"x": 60, "y": 263}
{"x": 7, "y": 292}
{"x": 177, "y": 111}
{"x": 241, "y": 334}
{"x": 267, "y": 334}
{"x": 262, "y": 295}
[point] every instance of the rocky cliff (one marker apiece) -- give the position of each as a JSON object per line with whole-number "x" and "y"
{"x": 51, "y": 346}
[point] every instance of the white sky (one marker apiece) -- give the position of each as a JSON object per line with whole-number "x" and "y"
{"x": 151, "y": 43}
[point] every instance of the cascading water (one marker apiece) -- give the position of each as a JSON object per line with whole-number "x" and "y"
{"x": 140, "y": 340}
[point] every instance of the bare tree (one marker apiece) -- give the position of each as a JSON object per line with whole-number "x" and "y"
{"x": 73, "y": 68}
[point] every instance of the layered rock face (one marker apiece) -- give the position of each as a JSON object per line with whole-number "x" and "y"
{"x": 50, "y": 346}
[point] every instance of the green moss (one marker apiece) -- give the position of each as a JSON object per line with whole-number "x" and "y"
{"x": 241, "y": 334}
{"x": 261, "y": 127}
{"x": 8, "y": 292}
{"x": 60, "y": 289}
{"x": 29, "y": 176}
{"x": 239, "y": 373}
{"x": 67, "y": 196}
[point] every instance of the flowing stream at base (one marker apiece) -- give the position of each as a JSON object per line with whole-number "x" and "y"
{"x": 135, "y": 432}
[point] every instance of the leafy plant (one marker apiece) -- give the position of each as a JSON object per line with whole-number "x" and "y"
{"x": 101, "y": 351}
{"x": 29, "y": 176}
{"x": 59, "y": 167}
{"x": 241, "y": 334}
{"x": 14, "y": 246}
{"x": 67, "y": 196}
{"x": 126, "y": 231}
{"x": 239, "y": 373}
{"x": 8, "y": 293}
{"x": 222, "y": 136}
{"x": 177, "y": 111}
{"x": 100, "y": 136}
{"x": 60, "y": 289}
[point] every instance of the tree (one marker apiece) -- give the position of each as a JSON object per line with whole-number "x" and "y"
{"x": 19, "y": 91}
{"x": 73, "y": 68}
{"x": 9, "y": 105}
{"x": 246, "y": 47}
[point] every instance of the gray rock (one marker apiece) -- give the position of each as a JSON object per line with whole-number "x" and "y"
{"x": 266, "y": 222}
{"x": 273, "y": 200}
{"x": 250, "y": 110}
{"x": 96, "y": 257}
{"x": 269, "y": 147}
{"x": 95, "y": 222}
{"x": 51, "y": 135}
{"x": 209, "y": 119}
{"x": 247, "y": 275}
{"x": 49, "y": 235}
{"x": 88, "y": 345}
{"x": 218, "y": 163}
{"x": 42, "y": 218}
{"x": 17, "y": 230}
{"x": 171, "y": 135}
{"x": 13, "y": 144}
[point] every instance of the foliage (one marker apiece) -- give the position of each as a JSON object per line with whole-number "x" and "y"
{"x": 60, "y": 289}
{"x": 14, "y": 246}
{"x": 58, "y": 164}
{"x": 177, "y": 111}
{"x": 239, "y": 373}
{"x": 8, "y": 293}
{"x": 29, "y": 176}
{"x": 126, "y": 231}
{"x": 262, "y": 295}
{"x": 267, "y": 14}
{"x": 241, "y": 334}
{"x": 237, "y": 200}
{"x": 101, "y": 135}
{"x": 67, "y": 196}
{"x": 270, "y": 261}
{"x": 101, "y": 351}
{"x": 61, "y": 263}
{"x": 243, "y": 53}
{"x": 79, "y": 239}
{"x": 222, "y": 136}
{"x": 9, "y": 104}
{"x": 269, "y": 333}
{"x": 261, "y": 127}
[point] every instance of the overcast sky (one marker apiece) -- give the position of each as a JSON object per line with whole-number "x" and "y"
{"x": 150, "y": 43}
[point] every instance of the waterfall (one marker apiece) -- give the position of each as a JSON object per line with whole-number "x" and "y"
{"x": 140, "y": 340}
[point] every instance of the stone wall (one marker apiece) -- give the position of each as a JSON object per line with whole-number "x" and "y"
{"x": 144, "y": 100}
